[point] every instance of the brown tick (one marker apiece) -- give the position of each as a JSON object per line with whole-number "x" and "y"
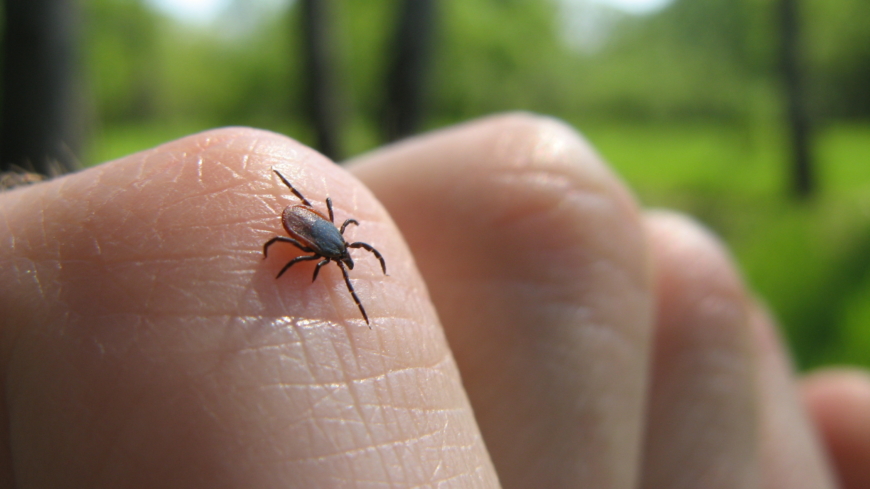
{"x": 311, "y": 232}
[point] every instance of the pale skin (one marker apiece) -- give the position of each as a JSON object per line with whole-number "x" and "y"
{"x": 579, "y": 341}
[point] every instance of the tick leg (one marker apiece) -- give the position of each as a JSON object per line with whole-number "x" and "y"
{"x": 295, "y": 261}
{"x": 353, "y": 293}
{"x": 317, "y": 268}
{"x": 329, "y": 208}
{"x": 295, "y": 192}
{"x": 346, "y": 224}
{"x": 284, "y": 239}
{"x": 360, "y": 244}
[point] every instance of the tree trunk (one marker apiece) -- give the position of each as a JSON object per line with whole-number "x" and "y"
{"x": 39, "y": 127}
{"x": 800, "y": 130}
{"x": 403, "y": 103}
{"x": 322, "y": 96}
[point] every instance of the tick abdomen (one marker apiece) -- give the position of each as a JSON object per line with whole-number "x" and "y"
{"x": 313, "y": 230}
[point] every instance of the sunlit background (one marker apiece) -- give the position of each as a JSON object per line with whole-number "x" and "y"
{"x": 692, "y": 101}
{"x": 205, "y": 11}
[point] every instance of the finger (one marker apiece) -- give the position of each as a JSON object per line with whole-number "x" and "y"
{"x": 147, "y": 343}
{"x": 791, "y": 452}
{"x": 534, "y": 255}
{"x": 701, "y": 423}
{"x": 839, "y": 404}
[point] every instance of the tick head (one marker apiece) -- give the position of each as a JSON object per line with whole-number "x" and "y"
{"x": 347, "y": 260}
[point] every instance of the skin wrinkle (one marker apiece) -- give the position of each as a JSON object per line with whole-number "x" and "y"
{"x": 353, "y": 392}
{"x": 517, "y": 220}
{"x": 393, "y": 445}
{"x": 567, "y": 194}
{"x": 6, "y": 231}
{"x": 360, "y": 414}
{"x": 561, "y": 252}
{"x": 379, "y": 447}
{"x": 49, "y": 245}
{"x": 439, "y": 483}
{"x": 14, "y": 201}
{"x": 211, "y": 194}
{"x": 560, "y": 152}
{"x": 558, "y": 189}
{"x": 354, "y": 404}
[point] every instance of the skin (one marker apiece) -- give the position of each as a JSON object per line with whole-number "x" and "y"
{"x": 146, "y": 343}
{"x": 839, "y": 402}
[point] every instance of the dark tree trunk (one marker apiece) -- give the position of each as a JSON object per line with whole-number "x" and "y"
{"x": 38, "y": 125}
{"x": 800, "y": 130}
{"x": 403, "y": 103}
{"x": 322, "y": 96}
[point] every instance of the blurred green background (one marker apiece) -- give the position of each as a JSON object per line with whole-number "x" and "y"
{"x": 684, "y": 98}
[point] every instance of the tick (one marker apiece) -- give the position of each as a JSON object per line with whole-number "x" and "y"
{"x": 311, "y": 232}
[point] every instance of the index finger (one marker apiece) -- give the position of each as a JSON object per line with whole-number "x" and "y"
{"x": 147, "y": 343}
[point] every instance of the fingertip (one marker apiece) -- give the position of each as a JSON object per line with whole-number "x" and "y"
{"x": 838, "y": 400}
{"x": 849, "y": 384}
{"x": 162, "y": 320}
{"x": 694, "y": 272}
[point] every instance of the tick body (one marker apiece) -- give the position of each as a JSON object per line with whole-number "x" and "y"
{"x": 313, "y": 232}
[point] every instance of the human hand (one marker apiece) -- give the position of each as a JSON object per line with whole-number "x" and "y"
{"x": 146, "y": 343}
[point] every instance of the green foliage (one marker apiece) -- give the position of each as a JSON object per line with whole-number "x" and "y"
{"x": 494, "y": 51}
{"x": 121, "y": 59}
{"x": 838, "y": 55}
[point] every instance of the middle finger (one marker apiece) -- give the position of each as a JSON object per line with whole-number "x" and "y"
{"x": 535, "y": 258}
